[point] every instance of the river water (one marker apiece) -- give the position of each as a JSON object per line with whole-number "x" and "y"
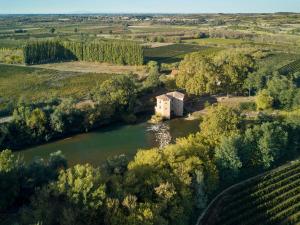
{"x": 95, "y": 147}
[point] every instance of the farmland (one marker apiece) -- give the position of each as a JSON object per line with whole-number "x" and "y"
{"x": 291, "y": 68}
{"x": 171, "y": 53}
{"x": 36, "y": 84}
{"x": 269, "y": 199}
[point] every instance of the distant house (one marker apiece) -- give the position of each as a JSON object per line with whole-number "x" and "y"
{"x": 170, "y": 104}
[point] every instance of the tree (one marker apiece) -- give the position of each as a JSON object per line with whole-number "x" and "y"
{"x": 197, "y": 74}
{"x": 258, "y": 80}
{"x": 264, "y": 100}
{"x": 37, "y": 122}
{"x": 225, "y": 72}
{"x": 263, "y": 145}
{"x": 52, "y": 30}
{"x": 234, "y": 67}
{"x": 120, "y": 91}
{"x": 227, "y": 157}
{"x": 9, "y": 183}
{"x": 153, "y": 79}
{"x": 282, "y": 91}
{"x": 219, "y": 121}
{"x": 83, "y": 185}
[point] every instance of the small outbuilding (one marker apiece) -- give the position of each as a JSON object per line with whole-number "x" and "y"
{"x": 170, "y": 104}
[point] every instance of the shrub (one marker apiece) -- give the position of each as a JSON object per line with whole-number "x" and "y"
{"x": 264, "y": 100}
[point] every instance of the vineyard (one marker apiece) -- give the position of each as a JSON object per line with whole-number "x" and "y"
{"x": 273, "y": 198}
{"x": 291, "y": 68}
{"x": 171, "y": 53}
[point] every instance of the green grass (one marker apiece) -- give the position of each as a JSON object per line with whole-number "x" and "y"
{"x": 35, "y": 84}
{"x": 273, "y": 198}
{"x": 171, "y": 53}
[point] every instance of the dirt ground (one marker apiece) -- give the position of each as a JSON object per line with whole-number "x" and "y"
{"x": 196, "y": 106}
{"x": 93, "y": 67}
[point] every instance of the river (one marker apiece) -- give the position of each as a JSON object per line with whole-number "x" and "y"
{"x": 95, "y": 147}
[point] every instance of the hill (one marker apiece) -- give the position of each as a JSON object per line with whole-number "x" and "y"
{"x": 272, "y": 198}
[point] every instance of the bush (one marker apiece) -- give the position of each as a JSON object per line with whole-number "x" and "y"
{"x": 264, "y": 100}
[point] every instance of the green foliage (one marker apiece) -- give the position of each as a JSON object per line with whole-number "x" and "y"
{"x": 219, "y": 121}
{"x": 118, "y": 52}
{"x": 9, "y": 185}
{"x": 197, "y": 74}
{"x": 224, "y": 72}
{"x": 264, "y": 100}
{"x": 153, "y": 79}
{"x": 82, "y": 184}
{"x": 234, "y": 67}
{"x": 19, "y": 181}
{"x": 227, "y": 157}
{"x": 263, "y": 145}
{"x": 120, "y": 92}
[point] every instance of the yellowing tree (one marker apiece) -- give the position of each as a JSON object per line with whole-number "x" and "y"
{"x": 219, "y": 121}
{"x": 264, "y": 100}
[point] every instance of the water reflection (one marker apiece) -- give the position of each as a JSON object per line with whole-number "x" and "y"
{"x": 162, "y": 134}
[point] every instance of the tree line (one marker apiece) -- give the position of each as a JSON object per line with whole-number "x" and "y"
{"x": 111, "y": 51}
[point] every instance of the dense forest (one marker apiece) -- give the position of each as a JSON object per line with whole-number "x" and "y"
{"x": 112, "y": 51}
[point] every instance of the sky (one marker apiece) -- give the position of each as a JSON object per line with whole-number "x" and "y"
{"x": 148, "y": 6}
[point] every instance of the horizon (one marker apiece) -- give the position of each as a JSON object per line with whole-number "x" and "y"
{"x": 147, "y": 7}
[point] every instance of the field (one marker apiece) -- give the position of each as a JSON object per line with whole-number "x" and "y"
{"x": 216, "y": 42}
{"x": 93, "y": 67}
{"x": 273, "y": 198}
{"x": 278, "y": 60}
{"x": 291, "y": 68}
{"x": 171, "y": 53}
{"x": 36, "y": 84}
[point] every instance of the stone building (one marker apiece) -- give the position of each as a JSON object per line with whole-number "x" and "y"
{"x": 170, "y": 104}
